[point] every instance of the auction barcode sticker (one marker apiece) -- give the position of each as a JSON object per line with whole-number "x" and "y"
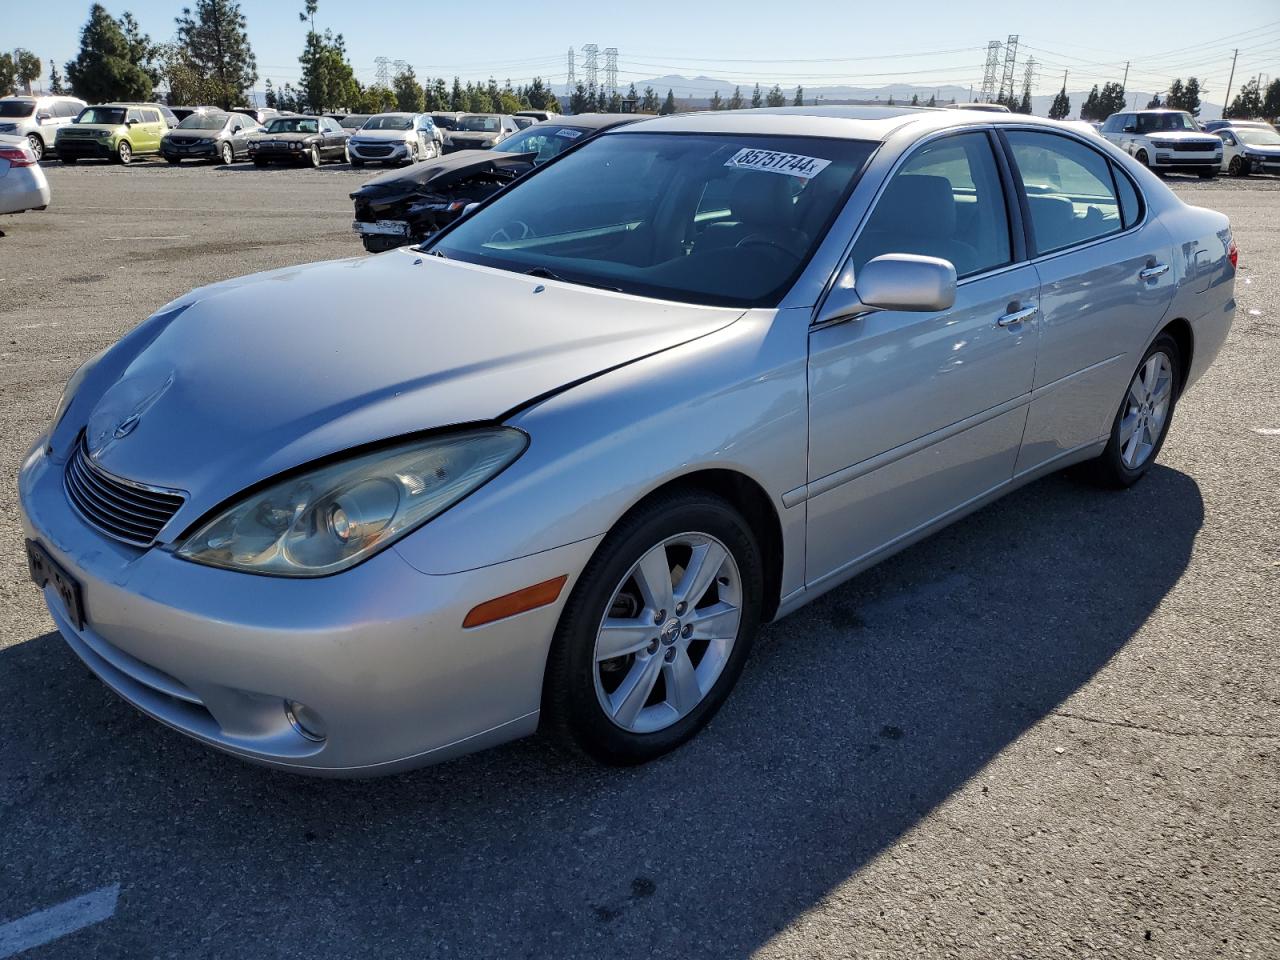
{"x": 770, "y": 161}
{"x": 569, "y": 134}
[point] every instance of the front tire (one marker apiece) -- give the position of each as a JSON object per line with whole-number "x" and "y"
{"x": 656, "y": 630}
{"x": 1142, "y": 422}
{"x": 228, "y": 154}
{"x": 1237, "y": 168}
{"x": 356, "y": 163}
{"x": 124, "y": 153}
{"x": 37, "y": 146}
{"x": 313, "y": 158}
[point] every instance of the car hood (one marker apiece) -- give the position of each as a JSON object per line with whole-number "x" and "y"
{"x": 254, "y": 376}
{"x": 391, "y": 135}
{"x": 92, "y": 127}
{"x": 1270, "y": 149}
{"x": 440, "y": 172}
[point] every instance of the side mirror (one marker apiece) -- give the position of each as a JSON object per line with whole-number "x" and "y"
{"x": 1129, "y": 128}
{"x": 130, "y": 123}
{"x": 43, "y": 115}
{"x": 895, "y": 281}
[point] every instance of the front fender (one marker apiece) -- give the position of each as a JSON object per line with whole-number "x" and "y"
{"x": 732, "y": 400}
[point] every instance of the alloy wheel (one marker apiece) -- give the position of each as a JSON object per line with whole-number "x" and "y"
{"x": 315, "y": 156}
{"x": 125, "y": 152}
{"x": 1235, "y": 167}
{"x": 668, "y": 632}
{"x": 1146, "y": 410}
{"x": 346, "y": 153}
{"x": 228, "y": 155}
{"x": 37, "y": 146}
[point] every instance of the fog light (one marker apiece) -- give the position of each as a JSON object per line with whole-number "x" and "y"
{"x": 305, "y": 720}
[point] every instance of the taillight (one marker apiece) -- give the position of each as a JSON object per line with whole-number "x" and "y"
{"x": 18, "y": 156}
{"x": 1233, "y": 254}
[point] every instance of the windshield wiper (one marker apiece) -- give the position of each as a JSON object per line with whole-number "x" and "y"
{"x": 548, "y": 274}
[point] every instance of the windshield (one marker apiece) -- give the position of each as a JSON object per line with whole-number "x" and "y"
{"x": 1257, "y": 137}
{"x": 16, "y": 108}
{"x": 203, "y": 121}
{"x": 391, "y": 121}
{"x": 445, "y": 121}
{"x": 112, "y": 115}
{"x": 725, "y": 220}
{"x": 480, "y": 124}
{"x": 1159, "y": 122}
{"x": 546, "y": 140}
{"x": 353, "y": 121}
{"x": 294, "y": 125}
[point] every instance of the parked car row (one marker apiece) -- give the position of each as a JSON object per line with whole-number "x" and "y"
{"x": 1172, "y": 140}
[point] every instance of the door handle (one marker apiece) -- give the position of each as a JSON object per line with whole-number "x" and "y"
{"x": 1017, "y": 316}
{"x": 1153, "y": 271}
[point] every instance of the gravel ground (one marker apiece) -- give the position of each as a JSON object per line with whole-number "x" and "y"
{"x": 1051, "y": 731}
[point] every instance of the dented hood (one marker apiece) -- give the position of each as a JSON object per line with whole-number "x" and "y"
{"x": 254, "y": 376}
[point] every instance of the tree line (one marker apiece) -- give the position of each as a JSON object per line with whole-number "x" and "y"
{"x": 209, "y": 60}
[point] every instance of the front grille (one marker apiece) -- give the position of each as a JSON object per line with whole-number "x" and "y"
{"x": 123, "y": 510}
{"x": 182, "y": 140}
{"x": 1193, "y": 146}
{"x": 372, "y": 150}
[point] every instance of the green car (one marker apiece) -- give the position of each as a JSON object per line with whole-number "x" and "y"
{"x": 113, "y": 131}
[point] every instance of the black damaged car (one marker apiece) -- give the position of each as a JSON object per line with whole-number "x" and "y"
{"x": 407, "y": 206}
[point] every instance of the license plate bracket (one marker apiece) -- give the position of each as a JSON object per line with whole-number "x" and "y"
{"x": 383, "y": 228}
{"x": 45, "y": 570}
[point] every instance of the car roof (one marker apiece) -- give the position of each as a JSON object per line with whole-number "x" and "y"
{"x": 843, "y": 122}
{"x": 592, "y": 121}
{"x": 387, "y": 113}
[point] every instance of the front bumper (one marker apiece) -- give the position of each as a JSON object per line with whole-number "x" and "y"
{"x": 379, "y": 152}
{"x": 82, "y": 148}
{"x": 192, "y": 151}
{"x": 1173, "y": 160}
{"x": 276, "y": 154}
{"x": 377, "y": 652}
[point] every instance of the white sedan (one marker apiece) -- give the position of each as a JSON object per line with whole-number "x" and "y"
{"x": 22, "y": 183}
{"x": 1250, "y": 149}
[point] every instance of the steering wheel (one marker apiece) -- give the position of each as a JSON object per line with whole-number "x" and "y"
{"x": 755, "y": 240}
{"x": 522, "y": 231}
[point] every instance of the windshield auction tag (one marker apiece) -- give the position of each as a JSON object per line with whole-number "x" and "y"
{"x": 569, "y": 134}
{"x": 770, "y": 161}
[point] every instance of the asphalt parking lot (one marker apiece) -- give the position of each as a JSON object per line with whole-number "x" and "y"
{"x": 1051, "y": 731}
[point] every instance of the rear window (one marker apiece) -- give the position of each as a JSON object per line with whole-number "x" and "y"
{"x": 17, "y": 108}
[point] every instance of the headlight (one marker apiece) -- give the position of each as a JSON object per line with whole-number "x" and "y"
{"x": 295, "y": 145}
{"x": 104, "y": 134}
{"x": 73, "y": 385}
{"x": 325, "y": 520}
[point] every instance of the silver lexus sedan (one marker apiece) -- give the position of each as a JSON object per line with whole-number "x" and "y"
{"x": 678, "y": 382}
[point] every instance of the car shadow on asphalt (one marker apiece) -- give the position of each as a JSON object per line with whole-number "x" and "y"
{"x": 855, "y": 718}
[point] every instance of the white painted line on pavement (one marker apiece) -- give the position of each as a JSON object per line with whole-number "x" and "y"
{"x": 1267, "y": 431}
{"x": 44, "y": 926}
{"x": 176, "y": 236}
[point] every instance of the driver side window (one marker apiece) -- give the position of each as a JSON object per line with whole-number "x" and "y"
{"x": 945, "y": 201}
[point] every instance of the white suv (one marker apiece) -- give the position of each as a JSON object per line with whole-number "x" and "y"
{"x": 1165, "y": 140}
{"x": 37, "y": 119}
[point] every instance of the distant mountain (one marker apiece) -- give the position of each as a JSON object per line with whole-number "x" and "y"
{"x": 696, "y": 92}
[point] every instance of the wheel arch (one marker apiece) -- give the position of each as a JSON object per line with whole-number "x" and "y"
{"x": 751, "y": 500}
{"x": 1183, "y": 336}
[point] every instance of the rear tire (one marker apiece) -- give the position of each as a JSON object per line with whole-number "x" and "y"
{"x": 259, "y": 162}
{"x": 1141, "y": 426}
{"x": 173, "y": 160}
{"x": 69, "y": 161}
{"x": 356, "y": 163}
{"x": 586, "y": 703}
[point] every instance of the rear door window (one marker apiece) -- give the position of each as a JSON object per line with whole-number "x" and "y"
{"x": 1069, "y": 189}
{"x": 151, "y": 116}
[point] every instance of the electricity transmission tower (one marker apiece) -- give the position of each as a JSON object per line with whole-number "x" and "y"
{"x": 1029, "y": 78}
{"x": 570, "y": 74}
{"x": 590, "y": 65}
{"x": 611, "y": 69}
{"x": 989, "y": 72}
{"x": 381, "y": 78}
{"x": 1010, "y": 65}
{"x": 400, "y": 66}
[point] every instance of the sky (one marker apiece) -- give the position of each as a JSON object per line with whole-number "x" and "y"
{"x": 816, "y": 43}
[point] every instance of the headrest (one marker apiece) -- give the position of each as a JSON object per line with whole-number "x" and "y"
{"x": 916, "y": 203}
{"x": 762, "y": 200}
